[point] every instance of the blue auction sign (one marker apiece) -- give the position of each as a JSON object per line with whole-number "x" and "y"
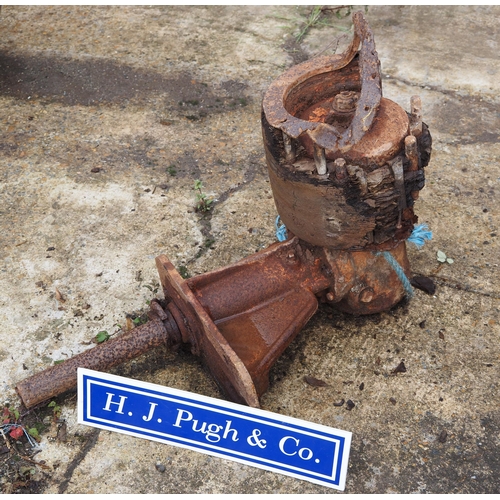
{"x": 235, "y": 432}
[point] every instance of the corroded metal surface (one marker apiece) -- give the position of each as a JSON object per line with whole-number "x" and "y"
{"x": 260, "y": 304}
{"x": 369, "y": 284}
{"x": 205, "y": 339}
{"x": 345, "y": 164}
{"x": 287, "y": 95}
{"x": 63, "y": 377}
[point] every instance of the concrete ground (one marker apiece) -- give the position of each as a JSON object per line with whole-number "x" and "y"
{"x": 108, "y": 116}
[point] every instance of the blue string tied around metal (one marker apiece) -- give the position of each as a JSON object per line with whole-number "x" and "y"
{"x": 418, "y": 237}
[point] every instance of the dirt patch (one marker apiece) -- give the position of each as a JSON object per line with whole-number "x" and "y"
{"x": 93, "y": 82}
{"x": 20, "y": 470}
{"x": 471, "y": 120}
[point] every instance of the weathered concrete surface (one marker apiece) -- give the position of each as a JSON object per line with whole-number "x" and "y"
{"x": 143, "y": 93}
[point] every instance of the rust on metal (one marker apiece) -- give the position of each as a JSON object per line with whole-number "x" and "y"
{"x": 359, "y": 157}
{"x": 416, "y": 116}
{"x": 63, "y": 377}
{"x": 369, "y": 285}
{"x": 288, "y": 96}
{"x": 240, "y": 318}
{"x": 345, "y": 166}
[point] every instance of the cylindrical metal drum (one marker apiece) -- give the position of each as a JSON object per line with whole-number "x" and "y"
{"x": 345, "y": 164}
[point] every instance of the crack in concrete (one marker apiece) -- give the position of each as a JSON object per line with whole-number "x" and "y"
{"x": 457, "y": 285}
{"x": 425, "y": 86}
{"x": 68, "y": 474}
{"x": 206, "y": 220}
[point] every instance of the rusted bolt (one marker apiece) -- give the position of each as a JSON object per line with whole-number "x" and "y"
{"x": 416, "y": 116}
{"x": 366, "y": 295}
{"x": 320, "y": 159}
{"x": 345, "y": 101}
{"x": 399, "y": 184}
{"x": 411, "y": 152}
{"x": 358, "y": 174}
{"x": 289, "y": 149}
{"x": 340, "y": 169}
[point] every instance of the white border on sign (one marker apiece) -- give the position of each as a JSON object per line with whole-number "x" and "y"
{"x": 224, "y": 407}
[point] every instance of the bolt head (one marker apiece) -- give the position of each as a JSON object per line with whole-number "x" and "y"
{"x": 366, "y": 295}
{"x": 345, "y": 101}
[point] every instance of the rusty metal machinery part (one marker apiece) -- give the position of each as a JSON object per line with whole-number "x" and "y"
{"x": 297, "y": 89}
{"x": 240, "y": 318}
{"x": 345, "y": 164}
{"x": 63, "y": 377}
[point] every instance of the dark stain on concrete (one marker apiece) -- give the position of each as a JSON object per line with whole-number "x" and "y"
{"x": 470, "y": 119}
{"x": 89, "y": 444}
{"x": 93, "y": 82}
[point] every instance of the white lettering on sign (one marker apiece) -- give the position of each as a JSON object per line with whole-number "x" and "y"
{"x": 251, "y": 436}
{"x": 110, "y": 402}
{"x": 211, "y": 431}
{"x": 152, "y": 407}
{"x": 293, "y": 448}
{"x": 254, "y": 439}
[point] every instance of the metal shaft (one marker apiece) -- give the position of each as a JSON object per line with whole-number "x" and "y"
{"x": 63, "y": 377}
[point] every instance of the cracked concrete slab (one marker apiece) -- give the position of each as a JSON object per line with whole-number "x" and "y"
{"x": 109, "y": 115}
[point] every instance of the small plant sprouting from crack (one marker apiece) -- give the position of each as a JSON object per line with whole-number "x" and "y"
{"x": 311, "y": 21}
{"x": 183, "y": 271}
{"x": 203, "y": 202}
{"x": 56, "y": 410}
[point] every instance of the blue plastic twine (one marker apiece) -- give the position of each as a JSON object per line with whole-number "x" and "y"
{"x": 399, "y": 271}
{"x": 280, "y": 230}
{"x": 418, "y": 237}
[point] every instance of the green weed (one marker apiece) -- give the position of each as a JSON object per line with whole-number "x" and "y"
{"x": 203, "y": 202}
{"x": 102, "y": 337}
{"x": 56, "y": 409}
{"x": 319, "y": 17}
{"x": 183, "y": 271}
